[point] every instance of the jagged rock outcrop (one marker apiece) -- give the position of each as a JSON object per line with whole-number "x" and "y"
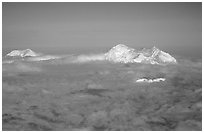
{"x": 123, "y": 54}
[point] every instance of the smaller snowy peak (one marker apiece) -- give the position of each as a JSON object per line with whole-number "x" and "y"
{"x": 157, "y": 56}
{"x": 28, "y": 55}
{"x": 22, "y": 53}
{"x": 166, "y": 58}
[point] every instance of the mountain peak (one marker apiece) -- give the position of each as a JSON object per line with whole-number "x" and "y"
{"x": 120, "y": 53}
{"x": 22, "y": 53}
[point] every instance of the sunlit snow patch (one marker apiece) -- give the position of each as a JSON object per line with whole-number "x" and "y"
{"x": 150, "y": 80}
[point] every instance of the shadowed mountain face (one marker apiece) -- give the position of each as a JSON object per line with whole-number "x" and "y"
{"x": 88, "y": 92}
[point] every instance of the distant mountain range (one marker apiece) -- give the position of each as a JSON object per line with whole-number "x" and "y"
{"x": 118, "y": 54}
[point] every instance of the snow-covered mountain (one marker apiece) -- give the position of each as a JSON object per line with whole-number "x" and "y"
{"x": 23, "y": 53}
{"x": 118, "y": 54}
{"x": 123, "y": 54}
{"x": 27, "y": 55}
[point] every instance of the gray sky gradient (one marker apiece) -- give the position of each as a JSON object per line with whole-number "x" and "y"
{"x": 173, "y": 27}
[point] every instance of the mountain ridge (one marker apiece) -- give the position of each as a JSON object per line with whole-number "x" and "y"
{"x": 124, "y": 54}
{"x": 117, "y": 54}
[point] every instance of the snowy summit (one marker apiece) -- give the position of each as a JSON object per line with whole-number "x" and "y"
{"x": 30, "y": 56}
{"x": 23, "y": 53}
{"x": 121, "y": 53}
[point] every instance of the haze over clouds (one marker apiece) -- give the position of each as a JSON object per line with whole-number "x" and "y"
{"x": 96, "y": 27}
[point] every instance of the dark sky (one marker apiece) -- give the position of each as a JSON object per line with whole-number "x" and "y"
{"x": 174, "y": 27}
